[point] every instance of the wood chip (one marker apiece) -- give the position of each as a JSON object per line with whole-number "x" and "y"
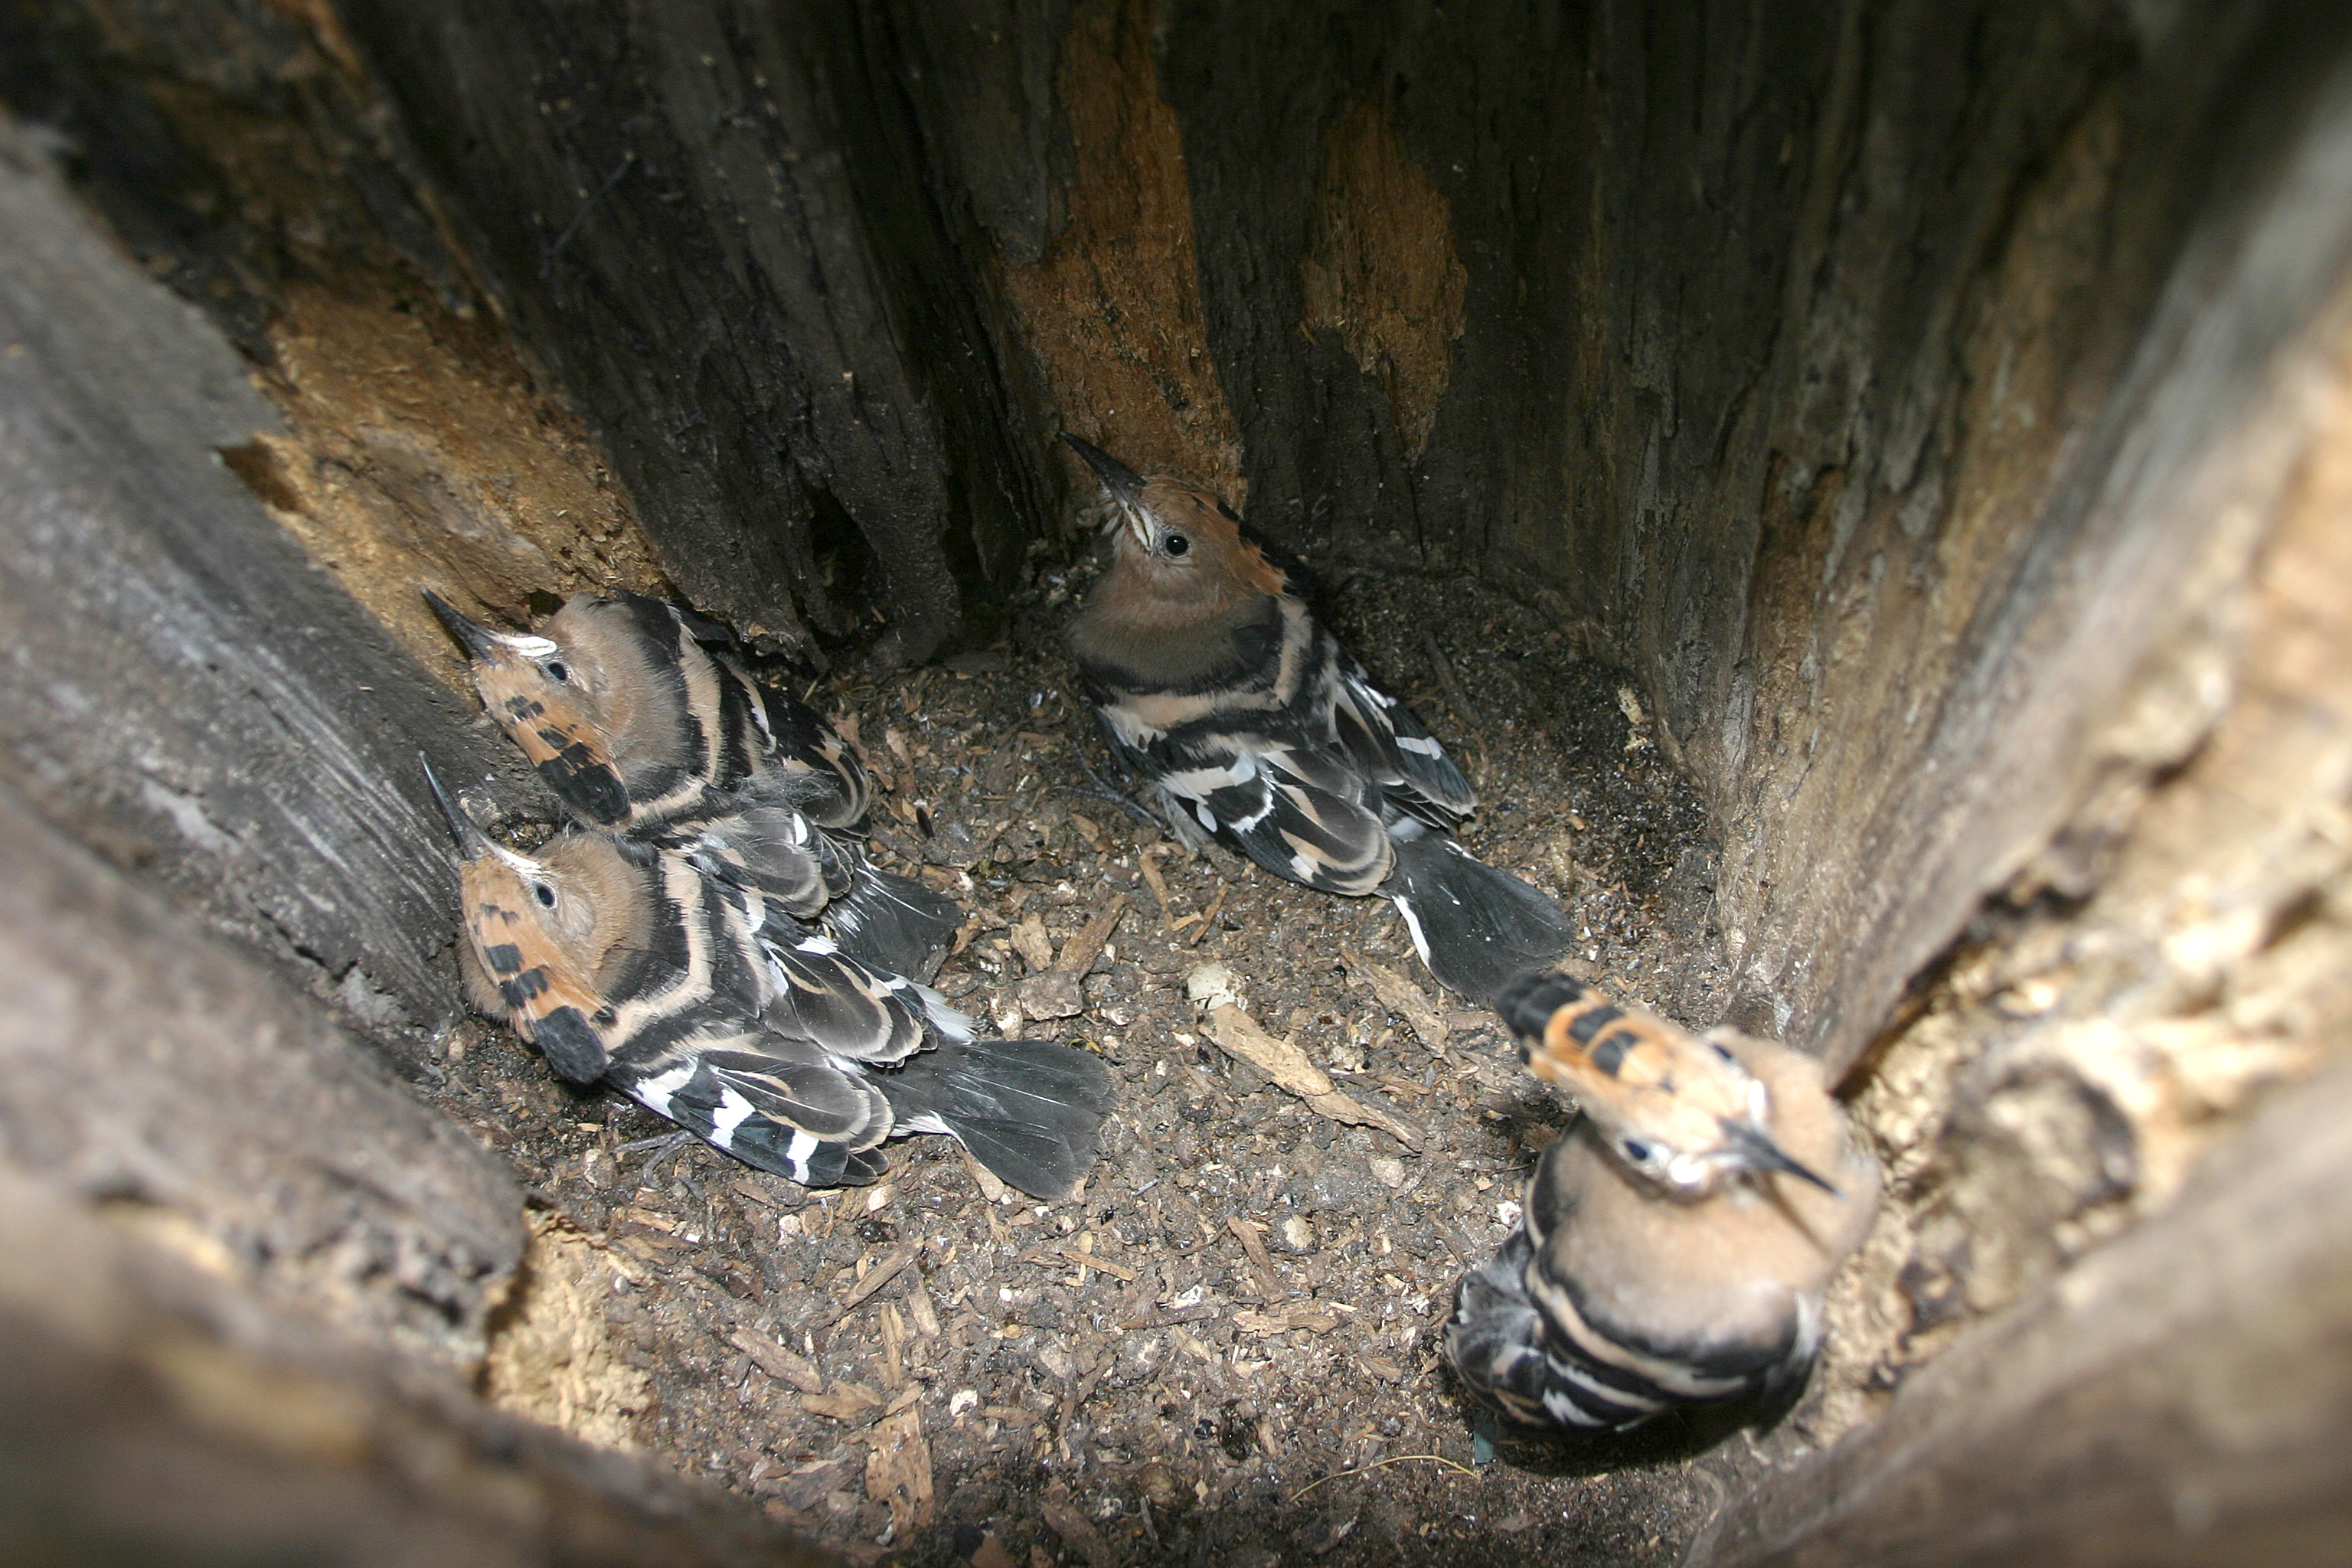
{"x": 921, "y": 1310}
{"x": 1209, "y": 915}
{"x": 991, "y": 1187}
{"x": 845, "y": 1402}
{"x": 805, "y": 1488}
{"x": 899, "y": 1472}
{"x": 1260, "y": 1263}
{"x": 894, "y": 1348}
{"x": 645, "y": 1247}
{"x": 1118, "y": 1271}
{"x": 1078, "y": 953}
{"x": 886, "y": 1268}
{"x": 1078, "y": 1534}
{"x": 1036, "y": 948}
{"x": 1173, "y": 1316}
{"x": 1148, "y": 863}
{"x": 777, "y": 1362}
{"x": 1264, "y": 1323}
{"x": 1056, "y": 993}
{"x": 1401, "y": 996}
{"x": 971, "y": 928}
{"x": 749, "y": 1188}
{"x": 1293, "y": 1071}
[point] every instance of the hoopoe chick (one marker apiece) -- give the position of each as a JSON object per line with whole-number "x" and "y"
{"x": 1211, "y": 678}
{"x": 1681, "y": 1109}
{"x": 627, "y": 966}
{"x": 1625, "y": 1294}
{"x": 644, "y": 724}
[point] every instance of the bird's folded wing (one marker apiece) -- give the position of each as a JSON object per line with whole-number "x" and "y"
{"x": 826, "y": 997}
{"x": 753, "y": 1097}
{"x": 716, "y": 1088}
{"x": 1390, "y": 742}
{"x": 773, "y": 850}
{"x": 836, "y": 784}
{"x": 1299, "y": 811}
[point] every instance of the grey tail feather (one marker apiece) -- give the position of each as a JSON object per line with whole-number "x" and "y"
{"x": 1030, "y": 1110}
{"x": 894, "y": 923}
{"x": 1477, "y": 927}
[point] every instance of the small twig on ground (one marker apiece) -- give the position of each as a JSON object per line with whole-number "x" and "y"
{"x": 1382, "y": 1465}
{"x": 1148, "y": 863}
{"x": 884, "y": 1270}
{"x": 1079, "y": 952}
{"x": 1291, "y": 1070}
{"x": 1209, "y": 915}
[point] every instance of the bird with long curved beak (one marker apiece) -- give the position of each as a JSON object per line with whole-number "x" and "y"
{"x": 1679, "y": 1109}
{"x": 535, "y": 947}
{"x": 639, "y": 718}
{"x": 1213, "y": 679}
{"x": 529, "y": 687}
{"x": 1660, "y": 1260}
{"x": 629, "y": 967}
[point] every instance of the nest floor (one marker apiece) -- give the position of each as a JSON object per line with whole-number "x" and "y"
{"x": 1223, "y": 1348}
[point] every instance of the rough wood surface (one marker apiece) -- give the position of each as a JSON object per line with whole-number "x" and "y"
{"x": 1824, "y": 361}
{"x": 710, "y": 222}
{"x": 1792, "y": 354}
{"x": 187, "y": 690}
{"x": 155, "y": 1415}
{"x": 148, "y": 1064}
{"x": 2183, "y": 1396}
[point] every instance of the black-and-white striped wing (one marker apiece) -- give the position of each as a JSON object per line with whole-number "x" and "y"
{"x": 1299, "y": 811}
{"x": 1389, "y": 741}
{"x": 817, "y": 764}
{"x": 825, "y": 997}
{"x": 774, "y": 850}
{"x": 771, "y": 1103}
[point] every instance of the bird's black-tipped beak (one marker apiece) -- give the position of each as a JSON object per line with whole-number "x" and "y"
{"x": 1761, "y": 1154}
{"x": 1123, "y": 483}
{"x": 478, "y": 640}
{"x": 472, "y": 842}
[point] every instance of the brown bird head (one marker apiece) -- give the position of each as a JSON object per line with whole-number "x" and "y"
{"x": 1676, "y": 1107}
{"x": 546, "y": 935}
{"x": 590, "y": 698}
{"x": 1179, "y": 554}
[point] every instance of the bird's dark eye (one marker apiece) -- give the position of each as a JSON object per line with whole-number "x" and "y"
{"x": 556, "y": 670}
{"x": 1176, "y": 544}
{"x": 1726, "y": 1054}
{"x": 1636, "y": 1150}
{"x": 544, "y": 894}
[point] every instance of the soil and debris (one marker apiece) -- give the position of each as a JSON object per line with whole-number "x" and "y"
{"x": 1222, "y": 1348}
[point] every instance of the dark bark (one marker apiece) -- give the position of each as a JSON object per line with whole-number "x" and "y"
{"x": 188, "y": 690}
{"x": 151, "y": 1064}
{"x": 713, "y": 224}
{"x": 152, "y": 1414}
{"x": 1723, "y": 388}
